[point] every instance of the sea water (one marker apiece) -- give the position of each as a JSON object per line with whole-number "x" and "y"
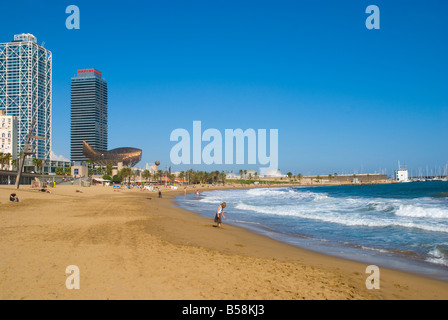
{"x": 402, "y": 226}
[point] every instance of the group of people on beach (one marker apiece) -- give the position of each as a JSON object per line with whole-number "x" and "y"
{"x": 218, "y": 217}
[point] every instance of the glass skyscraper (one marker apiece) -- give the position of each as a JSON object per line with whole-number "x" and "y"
{"x": 88, "y": 112}
{"x": 25, "y": 90}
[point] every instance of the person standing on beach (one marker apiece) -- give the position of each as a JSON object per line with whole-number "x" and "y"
{"x": 219, "y": 214}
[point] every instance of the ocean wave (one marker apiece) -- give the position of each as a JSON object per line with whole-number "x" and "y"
{"x": 439, "y": 255}
{"x": 261, "y": 195}
{"x": 212, "y": 200}
{"x": 378, "y": 206}
{"x": 286, "y": 194}
{"x": 437, "y": 261}
{"x": 348, "y": 211}
{"x": 416, "y": 211}
{"x": 354, "y": 220}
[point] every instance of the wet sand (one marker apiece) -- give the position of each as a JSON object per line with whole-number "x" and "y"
{"x": 129, "y": 244}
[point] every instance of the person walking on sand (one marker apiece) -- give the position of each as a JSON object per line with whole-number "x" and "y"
{"x": 219, "y": 214}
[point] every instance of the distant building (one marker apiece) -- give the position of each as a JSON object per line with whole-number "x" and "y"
{"x": 79, "y": 171}
{"x": 402, "y": 175}
{"x": 151, "y": 167}
{"x": 274, "y": 173}
{"x": 8, "y": 135}
{"x": 88, "y": 113}
{"x": 231, "y": 176}
{"x": 48, "y": 166}
{"x": 25, "y": 90}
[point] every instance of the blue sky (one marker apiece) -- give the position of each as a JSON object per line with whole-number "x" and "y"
{"x": 344, "y": 98}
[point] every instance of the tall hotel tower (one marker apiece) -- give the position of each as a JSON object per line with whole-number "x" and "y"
{"x": 88, "y": 112}
{"x": 25, "y": 90}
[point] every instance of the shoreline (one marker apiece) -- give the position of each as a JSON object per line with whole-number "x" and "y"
{"x": 355, "y": 252}
{"x": 415, "y": 279}
{"x": 133, "y": 245}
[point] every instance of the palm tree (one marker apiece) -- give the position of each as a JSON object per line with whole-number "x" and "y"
{"x": 146, "y": 175}
{"x": 222, "y": 177}
{"x": 241, "y": 174}
{"x": 160, "y": 175}
{"x": 182, "y": 176}
{"x": 126, "y": 173}
{"x": 190, "y": 175}
{"x": 289, "y": 174}
{"x": 109, "y": 168}
{"x": 245, "y": 174}
{"x": 133, "y": 175}
{"x": 35, "y": 164}
{"x": 14, "y": 163}
{"x": 199, "y": 177}
{"x": 40, "y": 165}
{"x": 6, "y": 159}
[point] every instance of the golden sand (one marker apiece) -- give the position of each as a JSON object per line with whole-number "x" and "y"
{"x": 132, "y": 245}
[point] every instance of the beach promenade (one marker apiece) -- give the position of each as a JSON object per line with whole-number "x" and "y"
{"x": 130, "y": 244}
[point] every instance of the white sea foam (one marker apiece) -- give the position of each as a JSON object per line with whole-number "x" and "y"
{"x": 437, "y": 257}
{"x": 270, "y": 192}
{"x": 421, "y": 212}
{"x": 348, "y": 211}
{"x": 329, "y": 214}
{"x": 285, "y": 194}
{"x": 375, "y": 249}
{"x": 437, "y": 261}
{"x": 211, "y": 200}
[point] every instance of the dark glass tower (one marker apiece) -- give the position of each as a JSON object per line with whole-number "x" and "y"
{"x": 88, "y": 112}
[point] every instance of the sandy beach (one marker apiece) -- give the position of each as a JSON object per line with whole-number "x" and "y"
{"x": 130, "y": 244}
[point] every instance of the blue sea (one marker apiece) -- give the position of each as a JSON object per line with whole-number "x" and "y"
{"x": 402, "y": 226}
